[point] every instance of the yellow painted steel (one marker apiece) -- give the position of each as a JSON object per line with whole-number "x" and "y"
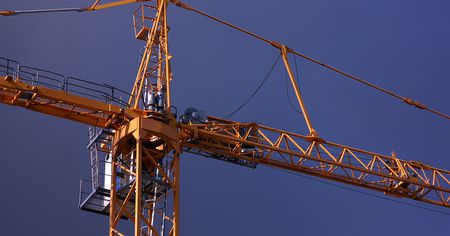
{"x": 284, "y": 55}
{"x": 142, "y": 129}
{"x": 145, "y": 138}
{"x": 138, "y": 188}
{"x": 321, "y": 158}
{"x": 156, "y": 48}
{"x": 96, "y": 6}
{"x": 112, "y": 197}
{"x": 6, "y": 13}
{"x": 61, "y": 104}
{"x": 176, "y": 196}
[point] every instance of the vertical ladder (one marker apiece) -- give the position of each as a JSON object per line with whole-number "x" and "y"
{"x": 94, "y": 187}
{"x": 99, "y": 141}
{"x": 93, "y": 153}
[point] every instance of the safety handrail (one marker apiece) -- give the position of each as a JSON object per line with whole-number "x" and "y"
{"x": 86, "y": 180}
{"x": 9, "y": 67}
{"x": 139, "y": 17}
{"x": 41, "y": 77}
{"x": 37, "y": 76}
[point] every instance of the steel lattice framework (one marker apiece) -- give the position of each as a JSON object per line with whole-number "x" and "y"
{"x": 146, "y": 140}
{"x": 253, "y": 143}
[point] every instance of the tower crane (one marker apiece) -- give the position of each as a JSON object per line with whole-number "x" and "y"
{"x": 136, "y": 138}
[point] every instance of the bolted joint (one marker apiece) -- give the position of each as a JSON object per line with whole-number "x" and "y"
{"x": 314, "y": 137}
{"x": 178, "y": 3}
{"x": 282, "y": 47}
{"x": 314, "y": 133}
{"x": 277, "y": 44}
{"x": 414, "y": 103}
{"x": 7, "y": 13}
{"x": 288, "y": 49}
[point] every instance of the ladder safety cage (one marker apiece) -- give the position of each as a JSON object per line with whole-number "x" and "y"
{"x": 95, "y": 199}
{"x": 142, "y": 21}
{"x": 140, "y": 179}
{"x": 95, "y": 182}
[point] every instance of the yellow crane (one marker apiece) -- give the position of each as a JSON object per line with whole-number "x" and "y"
{"x": 142, "y": 139}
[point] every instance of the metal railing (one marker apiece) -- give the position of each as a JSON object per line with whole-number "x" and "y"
{"x": 141, "y": 18}
{"x": 86, "y": 181}
{"x": 9, "y": 67}
{"x": 39, "y": 77}
{"x": 103, "y": 92}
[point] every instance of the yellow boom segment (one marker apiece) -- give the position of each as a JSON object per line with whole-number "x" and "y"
{"x": 140, "y": 140}
{"x": 249, "y": 144}
{"x": 62, "y": 104}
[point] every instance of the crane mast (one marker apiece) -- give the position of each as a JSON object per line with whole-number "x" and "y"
{"x": 145, "y": 151}
{"x": 144, "y": 140}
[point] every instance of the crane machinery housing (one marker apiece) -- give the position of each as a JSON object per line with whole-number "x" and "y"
{"x": 136, "y": 138}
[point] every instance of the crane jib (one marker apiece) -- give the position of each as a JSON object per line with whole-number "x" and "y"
{"x": 135, "y": 138}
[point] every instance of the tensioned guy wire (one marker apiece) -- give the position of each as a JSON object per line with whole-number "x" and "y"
{"x": 178, "y": 3}
{"x": 278, "y": 45}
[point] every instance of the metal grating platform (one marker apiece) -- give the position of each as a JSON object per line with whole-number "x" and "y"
{"x": 97, "y": 202}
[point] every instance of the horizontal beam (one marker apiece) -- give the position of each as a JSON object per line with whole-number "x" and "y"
{"x": 94, "y": 7}
{"x": 317, "y": 157}
{"x": 97, "y": 6}
{"x": 62, "y": 104}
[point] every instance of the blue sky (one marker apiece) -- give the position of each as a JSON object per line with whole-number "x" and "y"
{"x": 401, "y": 45}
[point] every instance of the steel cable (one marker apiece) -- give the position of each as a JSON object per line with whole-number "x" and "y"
{"x": 256, "y": 90}
{"x": 361, "y": 192}
{"x": 279, "y": 46}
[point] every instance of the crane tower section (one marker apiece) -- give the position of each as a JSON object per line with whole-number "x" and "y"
{"x": 135, "y": 145}
{"x": 151, "y": 90}
{"x": 143, "y": 162}
{"x": 145, "y": 151}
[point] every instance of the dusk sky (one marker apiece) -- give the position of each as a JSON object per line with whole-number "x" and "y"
{"x": 401, "y": 45}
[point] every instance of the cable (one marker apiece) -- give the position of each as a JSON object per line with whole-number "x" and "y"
{"x": 361, "y": 192}
{"x": 288, "y": 96}
{"x": 189, "y": 8}
{"x": 296, "y": 74}
{"x": 256, "y": 91}
{"x": 280, "y": 46}
{"x": 407, "y": 100}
